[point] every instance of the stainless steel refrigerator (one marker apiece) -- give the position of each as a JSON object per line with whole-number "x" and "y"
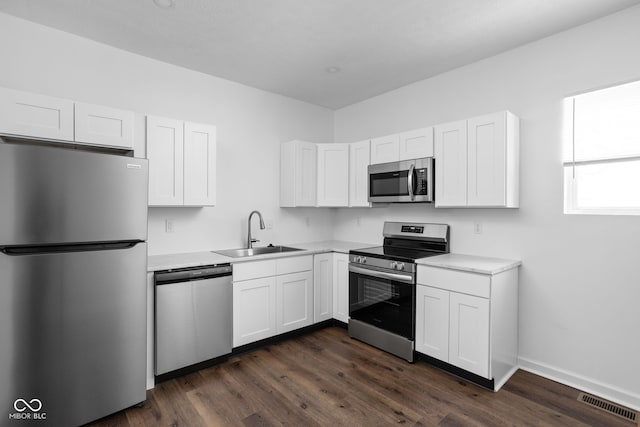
{"x": 73, "y": 231}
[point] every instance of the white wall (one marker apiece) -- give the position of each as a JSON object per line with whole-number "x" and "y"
{"x": 251, "y": 125}
{"x": 580, "y": 279}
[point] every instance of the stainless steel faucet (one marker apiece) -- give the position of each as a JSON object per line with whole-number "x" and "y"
{"x": 250, "y": 240}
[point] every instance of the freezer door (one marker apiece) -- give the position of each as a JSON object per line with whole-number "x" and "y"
{"x": 73, "y": 334}
{"x": 56, "y": 195}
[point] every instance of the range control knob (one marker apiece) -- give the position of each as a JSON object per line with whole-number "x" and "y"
{"x": 400, "y": 266}
{"x": 393, "y": 265}
{"x": 363, "y": 260}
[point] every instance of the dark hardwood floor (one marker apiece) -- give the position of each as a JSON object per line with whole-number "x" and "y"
{"x": 327, "y": 379}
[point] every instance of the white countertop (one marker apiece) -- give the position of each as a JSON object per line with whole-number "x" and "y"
{"x": 470, "y": 263}
{"x": 196, "y": 259}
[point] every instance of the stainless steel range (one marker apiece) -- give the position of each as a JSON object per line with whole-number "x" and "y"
{"x": 382, "y": 285}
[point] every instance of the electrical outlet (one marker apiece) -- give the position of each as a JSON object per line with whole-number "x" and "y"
{"x": 268, "y": 224}
{"x": 477, "y": 227}
{"x": 168, "y": 226}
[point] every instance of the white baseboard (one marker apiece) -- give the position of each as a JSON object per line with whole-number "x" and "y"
{"x": 614, "y": 394}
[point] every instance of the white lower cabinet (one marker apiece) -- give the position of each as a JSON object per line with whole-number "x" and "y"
{"x": 432, "y": 312}
{"x": 254, "y": 310}
{"x": 469, "y": 333}
{"x": 271, "y": 297}
{"x": 341, "y": 287}
{"x": 322, "y": 287}
{"x": 331, "y": 287}
{"x": 294, "y": 301}
{"x": 469, "y": 320}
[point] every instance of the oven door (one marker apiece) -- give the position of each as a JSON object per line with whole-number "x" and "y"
{"x": 385, "y": 300}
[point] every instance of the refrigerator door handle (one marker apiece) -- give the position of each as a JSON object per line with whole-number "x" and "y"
{"x": 78, "y": 247}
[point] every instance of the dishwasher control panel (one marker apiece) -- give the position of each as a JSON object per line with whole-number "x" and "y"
{"x": 192, "y": 273}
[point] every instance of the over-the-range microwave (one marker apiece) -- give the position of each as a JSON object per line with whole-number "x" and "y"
{"x": 406, "y": 181}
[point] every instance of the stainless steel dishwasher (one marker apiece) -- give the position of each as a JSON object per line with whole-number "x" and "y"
{"x": 194, "y": 319}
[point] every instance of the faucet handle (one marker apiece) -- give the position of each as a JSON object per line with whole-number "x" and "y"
{"x": 254, "y": 240}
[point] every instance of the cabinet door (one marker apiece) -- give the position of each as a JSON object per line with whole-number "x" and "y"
{"x": 359, "y": 154}
{"x": 199, "y": 164}
{"x": 469, "y": 333}
{"x": 254, "y": 310}
{"x": 416, "y": 144}
{"x": 322, "y": 287}
{"x": 30, "y": 114}
{"x": 487, "y": 160}
{"x": 305, "y": 176}
{"x": 333, "y": 174}
{"x": 294, "y": 301}
{"x": 165, "y": 151}
{"x": 105, "y": 126}
{"x": 432, "y": 322}
{"x": 451, "y": 164}
{"x": 385, "y": 149}
{"x": 341, "y": 287}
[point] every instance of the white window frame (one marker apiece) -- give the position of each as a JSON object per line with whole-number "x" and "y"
{"x": 571, "y": 185}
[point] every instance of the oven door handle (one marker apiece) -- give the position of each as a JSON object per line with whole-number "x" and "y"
{"x": 406, "y": 278}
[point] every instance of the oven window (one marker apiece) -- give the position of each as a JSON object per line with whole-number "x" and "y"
{"x": 389, "y": 184}
{"x": 382, "y": 303}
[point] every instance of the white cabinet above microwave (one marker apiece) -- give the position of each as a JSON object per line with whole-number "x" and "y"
{"x": 413, "y": 144}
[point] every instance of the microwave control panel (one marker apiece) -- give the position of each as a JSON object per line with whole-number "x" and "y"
{"x": 421, "y": 182}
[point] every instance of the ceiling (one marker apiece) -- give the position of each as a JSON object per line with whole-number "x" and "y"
{"x": 332, "y": 53}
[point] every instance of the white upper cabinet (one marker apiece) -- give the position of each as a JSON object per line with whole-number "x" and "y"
{"x": 451, "y": 164}
{"x": 104, "y": 126}
{"x": 298, "y": 180}
{"x": 416, "y": 144}
{"x": 165, "y": 151}
{"x": 358, "y": 173}
{"x": 333, "y": 174}
{"x": 39, "y": 116}
{"x": 493, "y": 150}
{"x": 385, "y": 149}
{"x": 182, "y": 162}
{"x": 477, "y": 162}
{"x": 199, "y": 164}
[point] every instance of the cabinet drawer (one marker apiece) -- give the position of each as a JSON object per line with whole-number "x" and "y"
{"x": 294, "y": 264}
{"x": 457, "y": 281}
{"x": 254, "y": 270}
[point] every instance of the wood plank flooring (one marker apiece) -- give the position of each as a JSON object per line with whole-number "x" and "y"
{"x": 327, "y": 379}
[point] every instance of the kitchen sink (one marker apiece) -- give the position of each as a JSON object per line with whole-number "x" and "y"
{"x": 244, "y": 252}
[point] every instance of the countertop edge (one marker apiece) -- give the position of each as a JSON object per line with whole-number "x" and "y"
{"x": 201, "y": 258}
{"x": 471, "y": 263}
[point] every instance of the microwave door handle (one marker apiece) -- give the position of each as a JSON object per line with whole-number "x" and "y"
{"x": 410, "y": 181}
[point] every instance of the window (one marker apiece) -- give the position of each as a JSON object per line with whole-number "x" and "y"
{"x": 602, "y": 151}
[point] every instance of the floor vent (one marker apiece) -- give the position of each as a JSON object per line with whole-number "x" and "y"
{"x": 609, "y": 407}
